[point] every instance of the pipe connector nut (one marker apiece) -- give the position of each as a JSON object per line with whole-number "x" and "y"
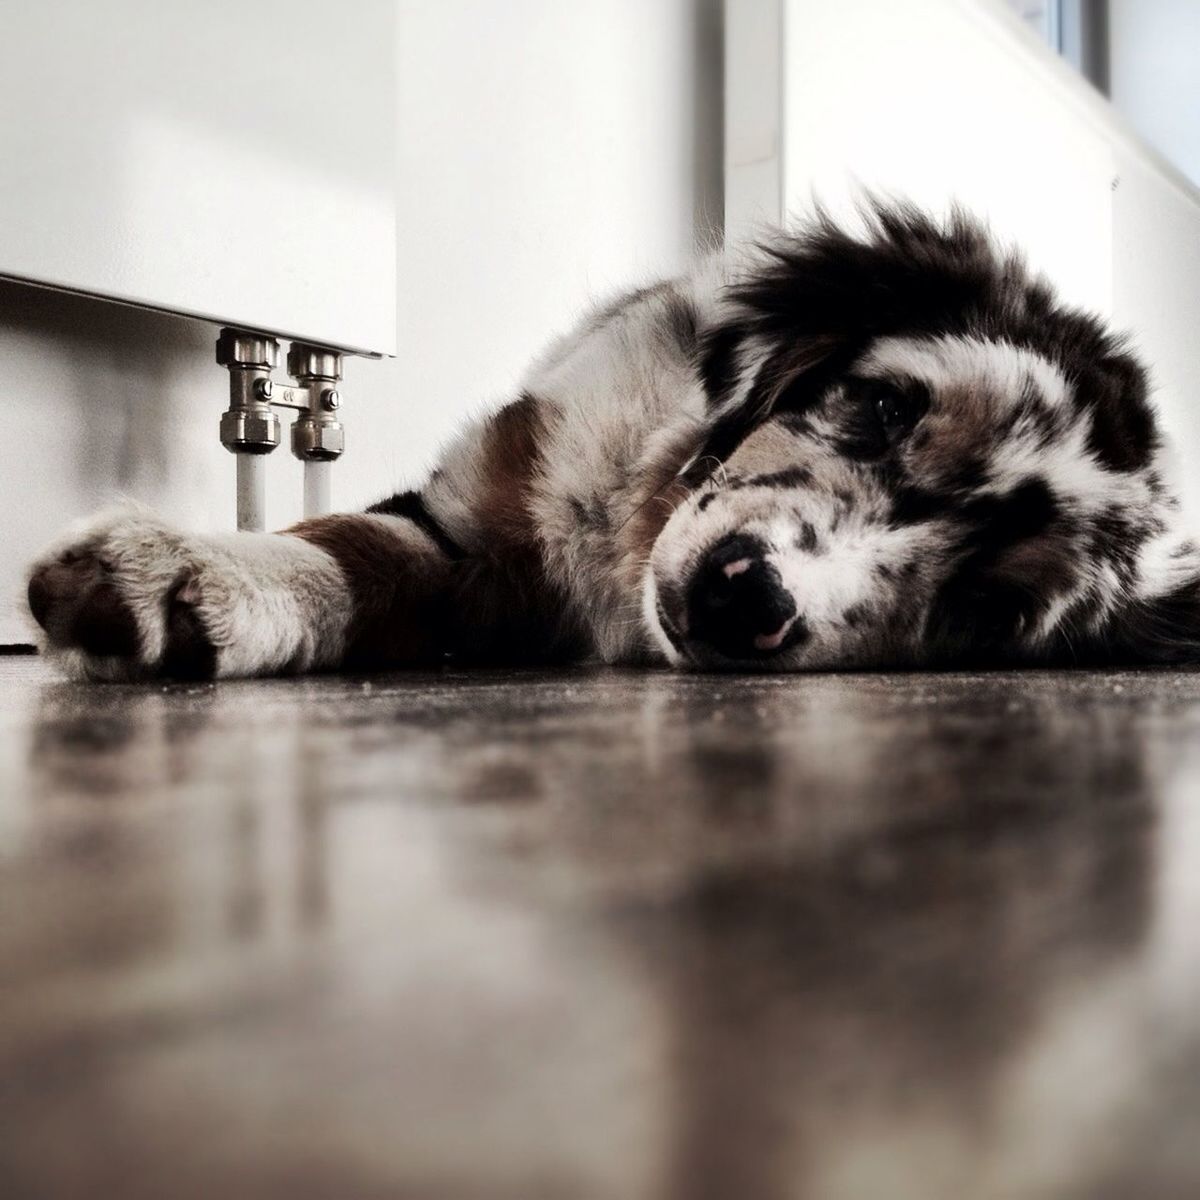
{"x": 317, "y": 441}
{"x": 313, "y": 362}
{"x": 236, "y": 348}
{"x": 249, "y": 432}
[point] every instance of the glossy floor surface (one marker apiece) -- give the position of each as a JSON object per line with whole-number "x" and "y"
{"x": 601, "y": 935}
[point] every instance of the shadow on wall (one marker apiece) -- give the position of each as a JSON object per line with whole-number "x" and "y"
{"x": 120, "y": 366}
{"x": 105, "y": 398}
{"x": 708, "y": 128}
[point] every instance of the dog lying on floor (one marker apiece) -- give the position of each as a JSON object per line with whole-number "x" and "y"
{"x": 885, "y": 448}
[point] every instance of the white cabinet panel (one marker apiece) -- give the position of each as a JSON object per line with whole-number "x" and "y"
{"x": 226, "y": 160}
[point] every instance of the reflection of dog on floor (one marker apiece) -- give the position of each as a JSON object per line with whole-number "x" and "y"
{"x": 831, "y": 450}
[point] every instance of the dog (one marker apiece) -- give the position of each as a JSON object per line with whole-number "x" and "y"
{"x": 887, "y": 446}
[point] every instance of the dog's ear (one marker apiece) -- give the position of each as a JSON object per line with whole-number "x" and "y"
{"x": 1022, "y": 561}
{"x": 982, "y": 613}
{"x": 1161, "y": 629}
{"x": 1112, "y": 387}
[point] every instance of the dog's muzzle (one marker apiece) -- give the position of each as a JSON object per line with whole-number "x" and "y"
{"x": 737, "y": 605}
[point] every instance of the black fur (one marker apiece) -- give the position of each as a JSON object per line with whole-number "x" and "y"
{"x": 189, "y": 652}
{"x": 411, "y": 505}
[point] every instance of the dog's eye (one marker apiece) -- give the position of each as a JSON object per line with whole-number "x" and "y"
{"x": 896, "y": 411}
{"x": 877, "y": 415}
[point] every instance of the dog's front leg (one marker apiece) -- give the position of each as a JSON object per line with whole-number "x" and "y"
{"x": 126, "y": 596}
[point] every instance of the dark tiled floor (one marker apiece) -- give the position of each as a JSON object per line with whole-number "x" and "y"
{"x": 601, "y": 935}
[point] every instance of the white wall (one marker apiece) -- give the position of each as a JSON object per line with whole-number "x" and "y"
{"x": 547, "y": 153}
{"x": 1154, "y": 81}
{"x": 1154, "y": 74}
{"x": 939, "y": 101}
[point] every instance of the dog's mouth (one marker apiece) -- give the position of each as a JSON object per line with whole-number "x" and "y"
{"x": 697, "y": 654}
{"x": 670, "y": 627}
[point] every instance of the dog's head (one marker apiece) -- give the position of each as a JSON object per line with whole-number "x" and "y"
{"x": 916, "y": 455}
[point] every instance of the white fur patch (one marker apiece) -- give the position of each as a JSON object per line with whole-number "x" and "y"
{"x": 945, "y": 362}
{"x": 271, "y": 601}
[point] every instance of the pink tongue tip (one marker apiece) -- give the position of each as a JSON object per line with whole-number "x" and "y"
{"x": 772, "y": 641}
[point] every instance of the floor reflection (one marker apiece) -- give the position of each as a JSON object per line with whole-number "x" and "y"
{"x": 604, "y": 935}
{"x": 881, "y": 1002}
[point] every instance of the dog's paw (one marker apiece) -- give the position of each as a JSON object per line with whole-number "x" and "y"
{"x": 117, "y": 598}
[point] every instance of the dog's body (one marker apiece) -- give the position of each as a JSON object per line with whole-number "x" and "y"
{"x": 892, "y": 449}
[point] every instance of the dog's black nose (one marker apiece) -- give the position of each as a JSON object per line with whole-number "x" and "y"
{"x": 737, "y": 603}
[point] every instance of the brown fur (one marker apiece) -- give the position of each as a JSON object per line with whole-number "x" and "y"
{"x": 1044, "y": 566}
{"x": 398, "y": 585}
{"x": 511, "y": 455}
{"x": 961, "y": 426}
{"x": 506, "y": 609}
